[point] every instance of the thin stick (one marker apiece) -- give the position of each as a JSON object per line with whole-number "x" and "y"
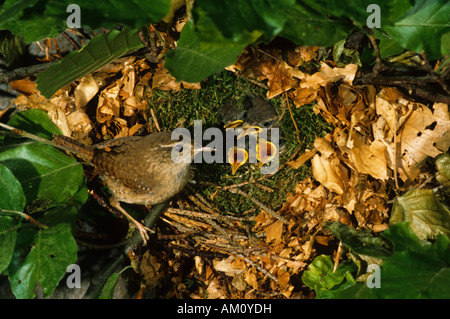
{"x": 36, "y": 138}
{"x": 155, "y": 120}
{"x": 27, "y": 217}
{"x": 71, "y": 40}
{"x": 293, "y": 120}
{"x": 260, "y": 205}
{"x": 259, "y": 268}
{"x": 338, "y": 256}
{"x": 21, "y": 73}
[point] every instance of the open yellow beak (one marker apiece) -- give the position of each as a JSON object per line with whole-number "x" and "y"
{"x": 265, "y": 151}
{"x": 249, "y": 130}
{"x": 233, "y": 124}
{"x": 237, "y": 157}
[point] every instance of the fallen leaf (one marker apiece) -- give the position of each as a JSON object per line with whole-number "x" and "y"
{"x": 274, "y": 232}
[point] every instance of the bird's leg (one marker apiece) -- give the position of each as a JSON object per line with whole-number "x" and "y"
{"x": 142, "y": 229}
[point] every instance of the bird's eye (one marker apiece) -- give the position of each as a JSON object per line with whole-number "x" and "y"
{"x": 267, "y": 124}
{"x": 179, "y": 147}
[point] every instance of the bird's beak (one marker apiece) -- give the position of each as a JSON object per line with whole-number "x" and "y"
{"x": 204, "y": 149}
{"x": 237, "y": 157}
{"x": 250, "y": 130}
{"x": 265, "y": 151}
{"x": 233, "y": 124}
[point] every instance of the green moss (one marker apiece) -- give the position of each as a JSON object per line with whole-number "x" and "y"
{"x": 175, "y": 109}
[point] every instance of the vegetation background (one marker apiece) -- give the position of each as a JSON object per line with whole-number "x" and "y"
{"x": 364, "y": 168}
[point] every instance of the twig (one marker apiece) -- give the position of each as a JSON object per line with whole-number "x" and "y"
{"x": 21, "y": 73}
{"x": 99, "y": 281}
{"x": 155, "y": 120}
{"x": 259, "y": 268}
{"x": 293, "y": 120}
{"x": 27, "y": 217}
{"x": 427, "y": 67}
{"x": 260, "y": 205}
{"x": 71, "y": 40}
{"x": 338, "y": 256}
{"x": 22, "y": 133}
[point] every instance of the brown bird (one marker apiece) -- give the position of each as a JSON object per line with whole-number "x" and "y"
{"x": 137, "y": 169}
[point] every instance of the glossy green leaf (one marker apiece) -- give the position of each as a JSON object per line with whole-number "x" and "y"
{"x": 306, "y": 26}
{"x": 27, "y": 18}
{"x": 238, "y": 19}
{"x": 320, "y": 275}
{"x": 425, "y": 213}
{"x": 36, "y": 20}
{"x": 443, "y": 168}
{"x": 390, "y": 47}
{"x": 108, "y": 289}
{"x": 52, "y": 250}
{"x": 12, "y": 199}
{"x": 101, "y": 50}
{"x": 422, "y": 26}
{"x": 35, "y": 121}
{"x": 445, "y": 44}
{"x": 44, "y": 172}
{"x": 8, "y": 235}
{"x": 362, "y": 241}
{"x": 349, "y": 290}
{"x": 415, "y": 270}
{"x": 193, "y": 60}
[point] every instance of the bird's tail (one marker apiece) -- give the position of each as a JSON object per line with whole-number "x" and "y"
{"x": 59, "y": 141}
{"x": 73, "y": 146}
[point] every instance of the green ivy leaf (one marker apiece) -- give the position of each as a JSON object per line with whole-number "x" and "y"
{"x": 35, "y": 121}
{"x": 320, "y": 275}
{"x": 425, "y": 213}
{"x": 306, "y": 26}
{"x": 8, "y": 235}
{"x": 44, "y": 172}
{"x": 12, "y": 199}
{"x": 101, "y": 50}
{"x": 193, "y": 60}
{"x": 108, "y": 289}
{"x": 348, "y": 290}
{"x": 422, "y": 26}
{"x": 415, "y": 270}
{"x": 362, "y": 241}
{"x": 52, "y": 250}
{"x": 36, "y": 20}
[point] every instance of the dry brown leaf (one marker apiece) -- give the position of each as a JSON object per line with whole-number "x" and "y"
{"x": 420, "y": 131}
{"x": 330, "y": 173}
{"x": 85, "y": 91}
{"x": 308, "y": 154}
{"x": 274, "y": 232}
{"x": 279, "y": 74}
{"x": 191, "y": 86}
{"x": 79, "y": 124}
{"x": 238, "y": 282}
{"x": 302, "y": 54}
{"x": 24, "y": 86}
{"x": 229, "y": 266}
{"x": 250, "y": 278}
{"x": 215, "y": 290}
{"x": 369, "y": 159}
{"x": 163, "y": 80}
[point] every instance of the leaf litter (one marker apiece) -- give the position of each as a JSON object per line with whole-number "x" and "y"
{"x": 380, "y": 141}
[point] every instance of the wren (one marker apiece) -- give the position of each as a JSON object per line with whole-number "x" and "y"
{"x": 137, "y": 169}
